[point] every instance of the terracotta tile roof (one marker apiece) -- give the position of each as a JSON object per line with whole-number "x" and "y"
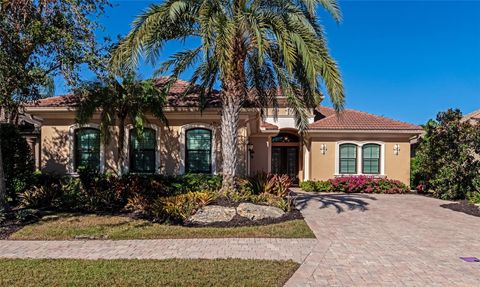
{"x": 176, "y": 97}
{"x": 57, "y": 101}
{"x": 356, "y": 120}
{"x": 268, "y": 126}
{"x": 473, "y": 116}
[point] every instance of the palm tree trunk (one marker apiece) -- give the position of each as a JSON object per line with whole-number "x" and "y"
{"x": 3, "y": 189}
{"x": 232, "y": 101}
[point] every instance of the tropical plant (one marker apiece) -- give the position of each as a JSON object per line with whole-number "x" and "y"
{"x": 26, "y": 215}
{"x": 280, "y": 185}
{"x": 257, "y": 50}
{"x": 259, "y": 183}
{"x": 118, "y": 101}
{"x": 175, "y": 208}
{"x": 37, "y": 196}
{"x": 40, "y": 40}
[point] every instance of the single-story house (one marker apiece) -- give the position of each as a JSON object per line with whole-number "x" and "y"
{"x": 349, "y": 143}
{"x": 473, "y": 117}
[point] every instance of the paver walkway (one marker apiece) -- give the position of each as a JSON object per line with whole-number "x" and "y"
{"x": 388, "y": 240}
{"x": 245, "y": 248}
{"x": 362, "y": 240}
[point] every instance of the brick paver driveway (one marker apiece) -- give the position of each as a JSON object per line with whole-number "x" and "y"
{"x": 362, "y": 240}
{"x": 387, "y": 240}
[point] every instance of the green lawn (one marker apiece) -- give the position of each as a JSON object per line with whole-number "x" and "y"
{"x": 172, "y": 272}
{"x": 116, "y": 227}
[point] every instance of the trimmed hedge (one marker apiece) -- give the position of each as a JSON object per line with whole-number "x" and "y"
{"x": 356, "y": 184}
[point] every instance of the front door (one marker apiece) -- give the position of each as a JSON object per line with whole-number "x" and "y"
{"x": 285, "y": 161}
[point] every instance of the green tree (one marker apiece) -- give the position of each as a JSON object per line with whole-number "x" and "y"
{"x": 446, "y": 160}
{"x": 38, "y": 41}
{"x": 254, "y": 48}
{"x": 118, "y": 101}
{"x": 19, "y": 164}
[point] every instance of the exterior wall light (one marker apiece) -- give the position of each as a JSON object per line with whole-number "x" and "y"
{"x": 323, "y": 148}
{"x": 396, "y": 149}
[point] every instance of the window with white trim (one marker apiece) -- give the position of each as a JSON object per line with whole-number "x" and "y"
{"x": 371, "y": 159}
{"x": 348, "y": 158}
{"x": 142, "y": 151}
{"x": 87, "y": 148}
{"x": 198, "y": 150}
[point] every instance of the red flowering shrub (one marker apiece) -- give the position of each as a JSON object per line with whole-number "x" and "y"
{"x": 367, "y": 184}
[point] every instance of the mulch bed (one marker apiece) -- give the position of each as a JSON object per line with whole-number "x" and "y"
{"x": 463, "y": 206}
{"x": 9, "y": 227}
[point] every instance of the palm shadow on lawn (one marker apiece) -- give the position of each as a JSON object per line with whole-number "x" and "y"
{"x": 340, "y": 201}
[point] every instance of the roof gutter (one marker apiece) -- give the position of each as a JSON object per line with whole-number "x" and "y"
{"x": 366, "y": 131}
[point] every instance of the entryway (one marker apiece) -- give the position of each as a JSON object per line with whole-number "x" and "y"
{"x": 285, "y": 155}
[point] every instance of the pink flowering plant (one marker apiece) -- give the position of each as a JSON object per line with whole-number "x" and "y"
{"x": 356, "y": 184}
{"x": 367, "y": 184}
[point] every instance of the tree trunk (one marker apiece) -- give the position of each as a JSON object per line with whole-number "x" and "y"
{"x": 3, "y": 188}
{"x": 232, "y": 102}
{"x": 121, "y": 141}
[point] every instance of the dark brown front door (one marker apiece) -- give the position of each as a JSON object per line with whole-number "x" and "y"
{"x": 285, "y": 161}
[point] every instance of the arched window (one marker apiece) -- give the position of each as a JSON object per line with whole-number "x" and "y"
{"x": 142, "y": 151}
{"x": 87, "y": 148}
{"x": 285, "y": 138}
{"x": 348, "y": 159}
{"x": 371, "y": 159}
{"x": 198, "y": 151}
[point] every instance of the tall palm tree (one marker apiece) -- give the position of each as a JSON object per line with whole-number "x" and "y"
{"x": 119, "y": 101}
{"x": 255, "y": 48}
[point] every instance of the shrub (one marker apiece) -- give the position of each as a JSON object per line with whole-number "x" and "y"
{"x": 474, "y": 197}
{"x": 178, "y": 208}
{"x": 18, "y": 162}
{"x": 259, "y": 183}
{"x": 445, "y": 160}
{"x": 205, "y": 197}
{"x": 316, "y": 186}
{"x": 196, "y": 182}
{"x": 3, "y": 215}
{"x": 26, "y": 215}
{"x": 367, "y": 184}
{"x": 72, "y": 196}
{"x": 100, "y": 191}
{"x": 38, "y": 196}
{"x": 279, "y": 185}
{"x": 274, "y": 184}
{"x": 324, "y": 186}
{"x": 308, "y": 186}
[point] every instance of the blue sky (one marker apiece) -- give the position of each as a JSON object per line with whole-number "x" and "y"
{"x": 401, "y": 59}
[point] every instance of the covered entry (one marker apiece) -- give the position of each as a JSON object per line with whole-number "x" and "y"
{"x": 285, "y": 155}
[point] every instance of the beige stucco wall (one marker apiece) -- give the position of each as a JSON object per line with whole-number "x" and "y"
{"x": 260, "y": 160}
{"x": 323, "y": 166}
{"x": 55, "y": 149}
{"x": 56, "y": 143}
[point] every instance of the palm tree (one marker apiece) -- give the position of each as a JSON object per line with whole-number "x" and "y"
{"x": 119, "y": 101}
{"x": 256, "y": 49}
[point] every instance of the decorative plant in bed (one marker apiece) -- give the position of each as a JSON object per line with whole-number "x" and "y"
{"x": 192, "y": 200}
